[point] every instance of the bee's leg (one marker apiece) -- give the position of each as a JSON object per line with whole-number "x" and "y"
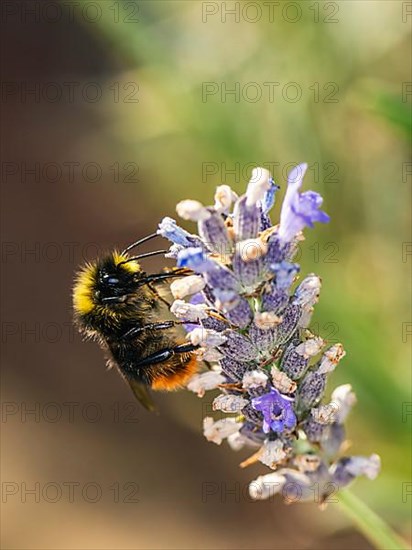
{"x": 160, "y": 277}
{"x": 158, "y": 296}
{"x": 216, "y": 315}
{"x": 208, "y": 365}
{"x": 165, "y": 354}
{"x": 178, "y": 271}
{"x": 153, "y": 326}
{"x": 157, "y": 277}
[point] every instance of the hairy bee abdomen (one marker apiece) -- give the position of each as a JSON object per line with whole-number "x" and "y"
{"x": 169, "y": 374}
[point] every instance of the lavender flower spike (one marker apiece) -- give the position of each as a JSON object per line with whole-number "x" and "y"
{"x": 299, "y": 210}
{"x": 250, "y": 318}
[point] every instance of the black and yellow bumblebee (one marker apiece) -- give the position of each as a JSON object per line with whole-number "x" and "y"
{"x": 118, "y": 304}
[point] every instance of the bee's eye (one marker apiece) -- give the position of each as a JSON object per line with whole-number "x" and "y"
{"x": 109, "y": 280}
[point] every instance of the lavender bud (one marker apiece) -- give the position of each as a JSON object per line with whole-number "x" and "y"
{"x": 206, "y": 337}
{"x": 192, "y": 210}
{"x": 252, "y": 415}
{"x": 252, "y": 433}
{"x": 241, "y": 314}
{"x": 267, "y": 320}
{"x": 255, "y": 379}
{"x": 307, "y": 293}
{"x": 348, "y": 468}
{"x": 307, "y": 462}
{"x": 310, "y": 347}
{"x": 229, "y": 403}
{"x": 248, "y": 272}
{"x": 186, "y": 286}
{"x": 214, "y": 233}
{"x": 232, "y": 369}
{"x": 289, "y": 324}
{"x": 344, "y": 399}
{"x": 331, "y": 358}
{"x": 314, "y": 430}
{"x": 212, "y": 355}
{"x": 272, "y": 453}
{"x": 237, "y": 441}
{"x": 238, "y": 347}
{"x": 251, "y": 249}
{"x": 325, "y": 414}
{"x": 293, "y": 363}
{"x": 219, "y": 430}
{"x": 263, "y": 339}
{"x": 189, "y": 312}
{"x": 281, "y": 381}
{"x": 274, "y": 299}
{"x": 277, "y": 251}
{"x": 215, "y": 324}
{"x": 266, "y": 486}
{"x": 224, "y": 197}
{"x": 221, "y": 278}
{"x": 334, "y": 437}
{"x": 200, "y": 383}
{"x": 285, "y": 274}
{"x": 246, "y": 220}
{"x": 311, "y": 390}
{"x": 259, "y": 184}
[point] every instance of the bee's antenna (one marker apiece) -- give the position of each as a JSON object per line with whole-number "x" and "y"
{"x": 146, "y": 255}
{"x": 138, "y": 243}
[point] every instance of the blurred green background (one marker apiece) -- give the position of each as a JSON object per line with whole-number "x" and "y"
{"x": 320, "y": 82}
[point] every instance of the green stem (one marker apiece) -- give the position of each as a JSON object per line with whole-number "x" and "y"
{"x": 370, "y": 524}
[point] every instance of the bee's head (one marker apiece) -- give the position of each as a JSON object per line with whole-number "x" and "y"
{"x": 116, "y": 279}
{"x": 108, "y": 283}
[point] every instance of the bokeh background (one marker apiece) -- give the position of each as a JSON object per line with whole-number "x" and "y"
{"x": 114, "y": 111}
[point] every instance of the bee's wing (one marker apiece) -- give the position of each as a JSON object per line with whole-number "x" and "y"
{"x": 142, "y": 394}
{"x": 140, "y": 390}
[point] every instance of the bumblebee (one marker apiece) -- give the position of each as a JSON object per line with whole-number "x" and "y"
{"x": 118, "y": 304}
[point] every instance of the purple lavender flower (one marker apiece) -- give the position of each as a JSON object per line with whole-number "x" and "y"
{"x": 169, "y": 229}
{"x": 299, "y": 210}
{"x": 285, "y": 273}
{"x": 252, "y": 320}
{"x": 269, "y": 197}
{"x": 194, "y": 258}
{"x": 277, "y": 410}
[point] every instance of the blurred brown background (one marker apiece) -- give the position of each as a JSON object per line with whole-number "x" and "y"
{"x": 105, "y": 126}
